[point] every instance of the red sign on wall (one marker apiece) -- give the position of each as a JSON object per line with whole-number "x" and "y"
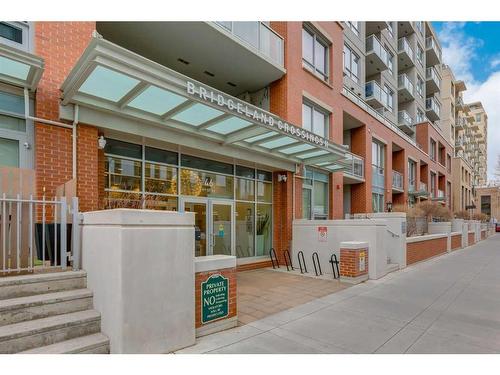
{"x": 322, "y": 234}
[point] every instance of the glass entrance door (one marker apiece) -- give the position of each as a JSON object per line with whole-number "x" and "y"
{"x": 214, "y": 225}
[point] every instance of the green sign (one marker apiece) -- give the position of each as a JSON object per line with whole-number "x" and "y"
{"x": 214, "y": 298}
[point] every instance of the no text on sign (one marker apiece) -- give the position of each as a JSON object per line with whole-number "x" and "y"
{"x": 214, "y": 298}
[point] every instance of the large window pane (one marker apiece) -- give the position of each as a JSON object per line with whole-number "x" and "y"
{"x": 264, "y": 192}
{"x": 11, "y": 103}
{"x": 160, "y": 179}
{"x": 123, "y": 174}
{"x": 205, "y": 164}
{"x": 120, "y": 199}
{"x": 205, "y": 184}
{"x": 264, "y": 229}
{"x": 245, "y": 172}
{"x": 306, "y": 117}
{"x": 245, "y": 223}
{"x": 245, "y": 189}
{"x": 320, "y": 199}
{"x": 161, "y": 156}
{"x": 9, "y": 152}
{"x": 320, "y": 57}
{"x": 12, "y": 123}
{"x": 121, "y": 148}
{"x": 306, "y": 203}
{"x": 319, "y": 123}
{"x": 160, "y": 202}
{"x": 307, "y": 46}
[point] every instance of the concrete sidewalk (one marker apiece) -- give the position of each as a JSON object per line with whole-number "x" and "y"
{"x": 450, "y": 304}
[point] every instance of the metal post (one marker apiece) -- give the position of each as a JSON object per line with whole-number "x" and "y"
{"x": 4, "y": 229}
{"x": 43, "y": 231}
{"x": 75, "y": 236}
{"x": 30, "y": 263}
{"x": 55, "y": 230}
{"x": 64, "y": 211}
{"x": 18, "y": 234}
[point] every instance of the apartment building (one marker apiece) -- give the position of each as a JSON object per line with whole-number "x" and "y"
{"x": 250, "y": 125}
{"x": 392, "y": 70}
{"x": 488, "y": 198}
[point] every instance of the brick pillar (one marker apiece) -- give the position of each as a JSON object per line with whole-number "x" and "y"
{"x": 336, "y": 198}
{"x": 353, "y": 261}
{"x": 60, "y": 44}
{"x": 400, "y": 164}
{"x": 388, "y": 173}
{"x": 283, "y": 212}
{"x": 361, "y": 198}
{"x": 87, "y": 167}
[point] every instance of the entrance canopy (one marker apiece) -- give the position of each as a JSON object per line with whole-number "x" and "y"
{"x": 19, "y": 68}
{"x": 113, "y": 79}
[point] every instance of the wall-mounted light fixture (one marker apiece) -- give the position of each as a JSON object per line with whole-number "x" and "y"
{"x": 101, "y": 142}
{"x": 282, "y": 178}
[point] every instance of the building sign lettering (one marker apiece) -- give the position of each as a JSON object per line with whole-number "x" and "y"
{"x": 253, "y": 113}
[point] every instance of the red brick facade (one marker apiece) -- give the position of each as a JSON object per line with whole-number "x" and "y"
{"x": 471, "y": 238}
{"x": 230, "y": 274}
{"x": 456, "y": 241}
{"x": 350, "y": 262}
{"x": 425, "y": 249}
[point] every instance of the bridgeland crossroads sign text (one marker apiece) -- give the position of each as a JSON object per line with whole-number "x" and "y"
{"x": 253, "y": 113}
{"x": 214, "y": 298}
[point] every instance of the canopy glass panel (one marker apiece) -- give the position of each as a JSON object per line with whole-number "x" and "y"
{"x": 107, "y": 84}
{"x": 156, "y": 100}
{"x": 197, "y": 114}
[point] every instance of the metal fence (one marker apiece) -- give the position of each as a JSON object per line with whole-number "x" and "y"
{"x": 416, "y": 226}
{"x": 38, "y": 234}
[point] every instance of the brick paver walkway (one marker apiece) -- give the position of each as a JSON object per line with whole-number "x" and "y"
{"x": 265, "y": 292}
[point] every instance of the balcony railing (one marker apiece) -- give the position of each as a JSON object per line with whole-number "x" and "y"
{"x": 397, "y": 180}
{"x": 373, "y": 44}
{"x": 423, "y": 186}
{"x": 431, "y": 104}
{"x": 411, "y": 185}
{"x": 405, "y": 83}
{"x": 440, "y": 194}
{"x": 404, "y": 119}
{"x": 431, "y": 43}
{"x": 373, "y": 91}
{"x": 356, "y": 165}
{"x": 431, "y": 73}
{"x": 260, "y": 36}
{"x": 404, "y": 46}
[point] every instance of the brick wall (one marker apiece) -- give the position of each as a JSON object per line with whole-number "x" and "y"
{"x": 60, "y": 44}
{"x": 230, "y": 274}
{"x": 456, "y": 241}
{"x": 349, "y": 262}
{"x": 471, "y": 239}
{"x": 418, "y": 251}
{"x": 483, "y": 234}
{"x": 282, "y": 214}
{"x": 253, "y": 266}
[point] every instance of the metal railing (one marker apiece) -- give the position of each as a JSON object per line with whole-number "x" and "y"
{"x": 259, "y": 35}
{"x": 38, "y": 234}
{"x": 397, "y": 180}
{"x": 431, "y": 73}
{"x": 356, "y": 165}
{"x": 404, "y": 46}
{"x": 431, "y": 43}
{"x": 405, "y": 83}
{"x": 380, "y": 117}
{"x": 373, "y": 44}
{"x": 373, "y": 90}
{"x": 423, "y": 186}
{"x": 432, "y": 104}
{"x": 404, "y": 118}
{"x": 440, "y": 194}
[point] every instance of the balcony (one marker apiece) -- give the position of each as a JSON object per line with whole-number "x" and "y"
{"x": 432, "y": 108}
{"x": 406, "y": 55}
{"x": 440, "y": 196}
{"x": 377, "y": 58}
{"x": 405, "y": 28}
{"x": 200, "y": 50}
{"x": 459, "y": 102}
{"x": 405, "y": 122}
{"x": 459, "y": 143}
{"x": 460, "y": 123}
{"x": 355, "y": 168}
{"x": 405, "y": 89}
{"x": 374, "y": 95}
{"x": 432, "y": 52}
{"x": 411, "y": 186}
{"x": 433, "y": 81}
{"x": 397, "y": 181}
{"x": 374, "y": 27}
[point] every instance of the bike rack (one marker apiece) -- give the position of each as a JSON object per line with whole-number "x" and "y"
{"x": 315, "y": 256}
{"x": 288, "y": 261}
{"x": 335, "y": 264}
{"x": 303, "y": 261}
{"x": 271, "y": 252}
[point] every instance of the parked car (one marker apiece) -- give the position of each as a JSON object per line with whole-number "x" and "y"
{"x": 497, "y": 227}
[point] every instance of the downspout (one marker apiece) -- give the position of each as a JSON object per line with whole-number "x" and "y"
{"x": 75, "y": 123}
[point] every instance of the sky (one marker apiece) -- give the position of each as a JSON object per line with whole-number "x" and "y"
{"x": 472, "y": 49}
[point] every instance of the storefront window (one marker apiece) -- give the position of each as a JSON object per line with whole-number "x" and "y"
{"x": 314, "y": 195}
{"x": 123, "y": 174}
{"x": 264, "y": 192}
{"x": 160, "y": 179}
{"x": 160, "y": 202}
{"x": 245, "y": 223}
{"x": 264, "y": 229}
{"x": 245, "y": 189}
{"x": 122, "y": 199}
{"x": 205, "y": 184}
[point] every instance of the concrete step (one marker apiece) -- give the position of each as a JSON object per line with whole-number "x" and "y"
{"x": 16, "y": 310}
{"x": 91, "y": 344}
{"x": 31, "y": 334}
{"x": 28, "y": 285}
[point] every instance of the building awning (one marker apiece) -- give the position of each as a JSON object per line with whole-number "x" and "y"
{"x": 113, "y": 79}
{"x": 20, "y": 68}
